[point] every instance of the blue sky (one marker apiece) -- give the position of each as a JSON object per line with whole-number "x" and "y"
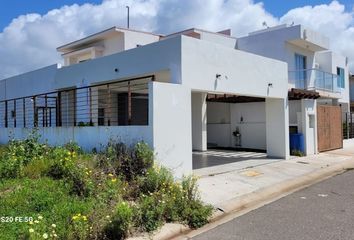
{"x": 14, "y": 8}
{"x": 279, "y": 8}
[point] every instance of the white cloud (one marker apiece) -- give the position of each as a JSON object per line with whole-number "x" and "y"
{"x": 333, "y": 21}
{"x": 29, "y": 41}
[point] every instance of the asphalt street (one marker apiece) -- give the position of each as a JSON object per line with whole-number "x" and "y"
{"x": 322, "y": 211}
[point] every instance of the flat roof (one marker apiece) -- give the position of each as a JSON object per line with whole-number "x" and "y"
{"x": 220, "y": 33}
{"x": 98, "y": 36}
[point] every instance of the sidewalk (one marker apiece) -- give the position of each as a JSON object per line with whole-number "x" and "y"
{"x": 237, "y": 188}
{"x": 222, "y": 186}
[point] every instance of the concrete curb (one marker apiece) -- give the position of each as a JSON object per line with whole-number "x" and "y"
{"x": 241, "y": 205}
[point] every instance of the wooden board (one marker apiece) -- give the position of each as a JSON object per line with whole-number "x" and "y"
{"x": 329, "y": 128}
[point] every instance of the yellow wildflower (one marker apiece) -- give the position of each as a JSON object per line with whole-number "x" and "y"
{"x": 31, "y": 230}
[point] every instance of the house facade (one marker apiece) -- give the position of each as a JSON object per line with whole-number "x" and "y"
{"x": 180, "y": 93}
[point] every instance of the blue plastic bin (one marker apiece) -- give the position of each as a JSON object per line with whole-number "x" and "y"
{"x": 297, "y": 142}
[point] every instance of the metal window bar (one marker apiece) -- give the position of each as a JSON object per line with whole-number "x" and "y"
{"x": 348, "y": 125}
{"x": 122, "y": 103}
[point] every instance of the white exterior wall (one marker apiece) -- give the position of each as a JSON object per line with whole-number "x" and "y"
{"x": 330, "y": 61}
{"x": 224, "y": 118}
{"x": 241, "y": 73}
{"x": 28, "y": 84}
{"x": 253, "y": 126}
{"x": 133, "y": 39}
{"x": 309, "y": 125}
{"x": 277, "y": 128}
{"x": 219, "y": 124}
{"x": 269, "y": 43}
{"x": 132, "y": 63}
{"x": 275, "y": 44}
{"x": 172, "y": 126}
{"x": 114, "y": 44}
{"x": 226, "y": 41}
{"x": 199, "y": 121}
{"x": 294, "y": 111}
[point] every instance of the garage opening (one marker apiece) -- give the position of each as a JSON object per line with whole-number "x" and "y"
{"x": 228, "y": 129}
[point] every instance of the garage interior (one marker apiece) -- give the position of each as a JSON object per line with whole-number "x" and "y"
{"x": 235, "y": 131}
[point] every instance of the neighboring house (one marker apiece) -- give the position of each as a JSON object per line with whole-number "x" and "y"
{"x": 181, "y": 92}
{"x": 351, "y": 77}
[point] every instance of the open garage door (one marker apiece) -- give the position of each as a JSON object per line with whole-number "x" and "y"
{"x": 329, "y": 128}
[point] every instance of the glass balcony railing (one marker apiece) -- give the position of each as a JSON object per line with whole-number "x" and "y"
{"x": 314, "y": 79}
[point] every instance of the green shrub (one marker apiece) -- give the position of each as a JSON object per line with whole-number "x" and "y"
{"x": 79, "y": 227}
{"x": 64, "y": 166}
{"x": 37, "y": 168}
{"x": 83, "y": 194}
{"x": 156, "y": 179}
{"x": 197, "y": 214}
{"x": 73, "y": 147}
{"x": 121, "y": 222}
{"x": 19, "y": 153}
{"x": 130, "y": 163}
{"x": 143, "y": 157}
{"x": 149, "y": 213}
{"x": 109, "y": 188}
{"x": 190, "y": 188}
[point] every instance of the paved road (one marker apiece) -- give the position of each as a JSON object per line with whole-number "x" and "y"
{"x": 322, "y": 211}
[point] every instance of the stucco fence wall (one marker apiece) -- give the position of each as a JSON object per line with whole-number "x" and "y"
{"x": 87, "y": 137}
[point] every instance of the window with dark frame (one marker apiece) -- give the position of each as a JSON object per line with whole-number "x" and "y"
{"x": 341, "y": 77}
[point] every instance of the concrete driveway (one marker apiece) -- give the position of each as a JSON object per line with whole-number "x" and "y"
{"x": 219, "y": 184}
{"x": 213, "y": 162}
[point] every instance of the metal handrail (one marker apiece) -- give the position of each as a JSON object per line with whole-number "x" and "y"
{"x": 314, "y": 79}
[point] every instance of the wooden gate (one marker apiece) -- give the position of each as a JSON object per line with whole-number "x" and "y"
{"x": 329, "y": 128}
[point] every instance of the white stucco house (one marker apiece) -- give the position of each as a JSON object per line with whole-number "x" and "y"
{"x": 180, "y": 92}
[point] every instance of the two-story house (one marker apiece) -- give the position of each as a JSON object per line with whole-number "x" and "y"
{"x": 317, "y": 76}
{"x": 186, "y": 91}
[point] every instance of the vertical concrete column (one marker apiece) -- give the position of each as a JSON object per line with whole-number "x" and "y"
{"x": 277, "y": 128}
{"x": 170, "y": 120}
{"x": 309, "y": 125}
{"x": 199, "y": 121}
